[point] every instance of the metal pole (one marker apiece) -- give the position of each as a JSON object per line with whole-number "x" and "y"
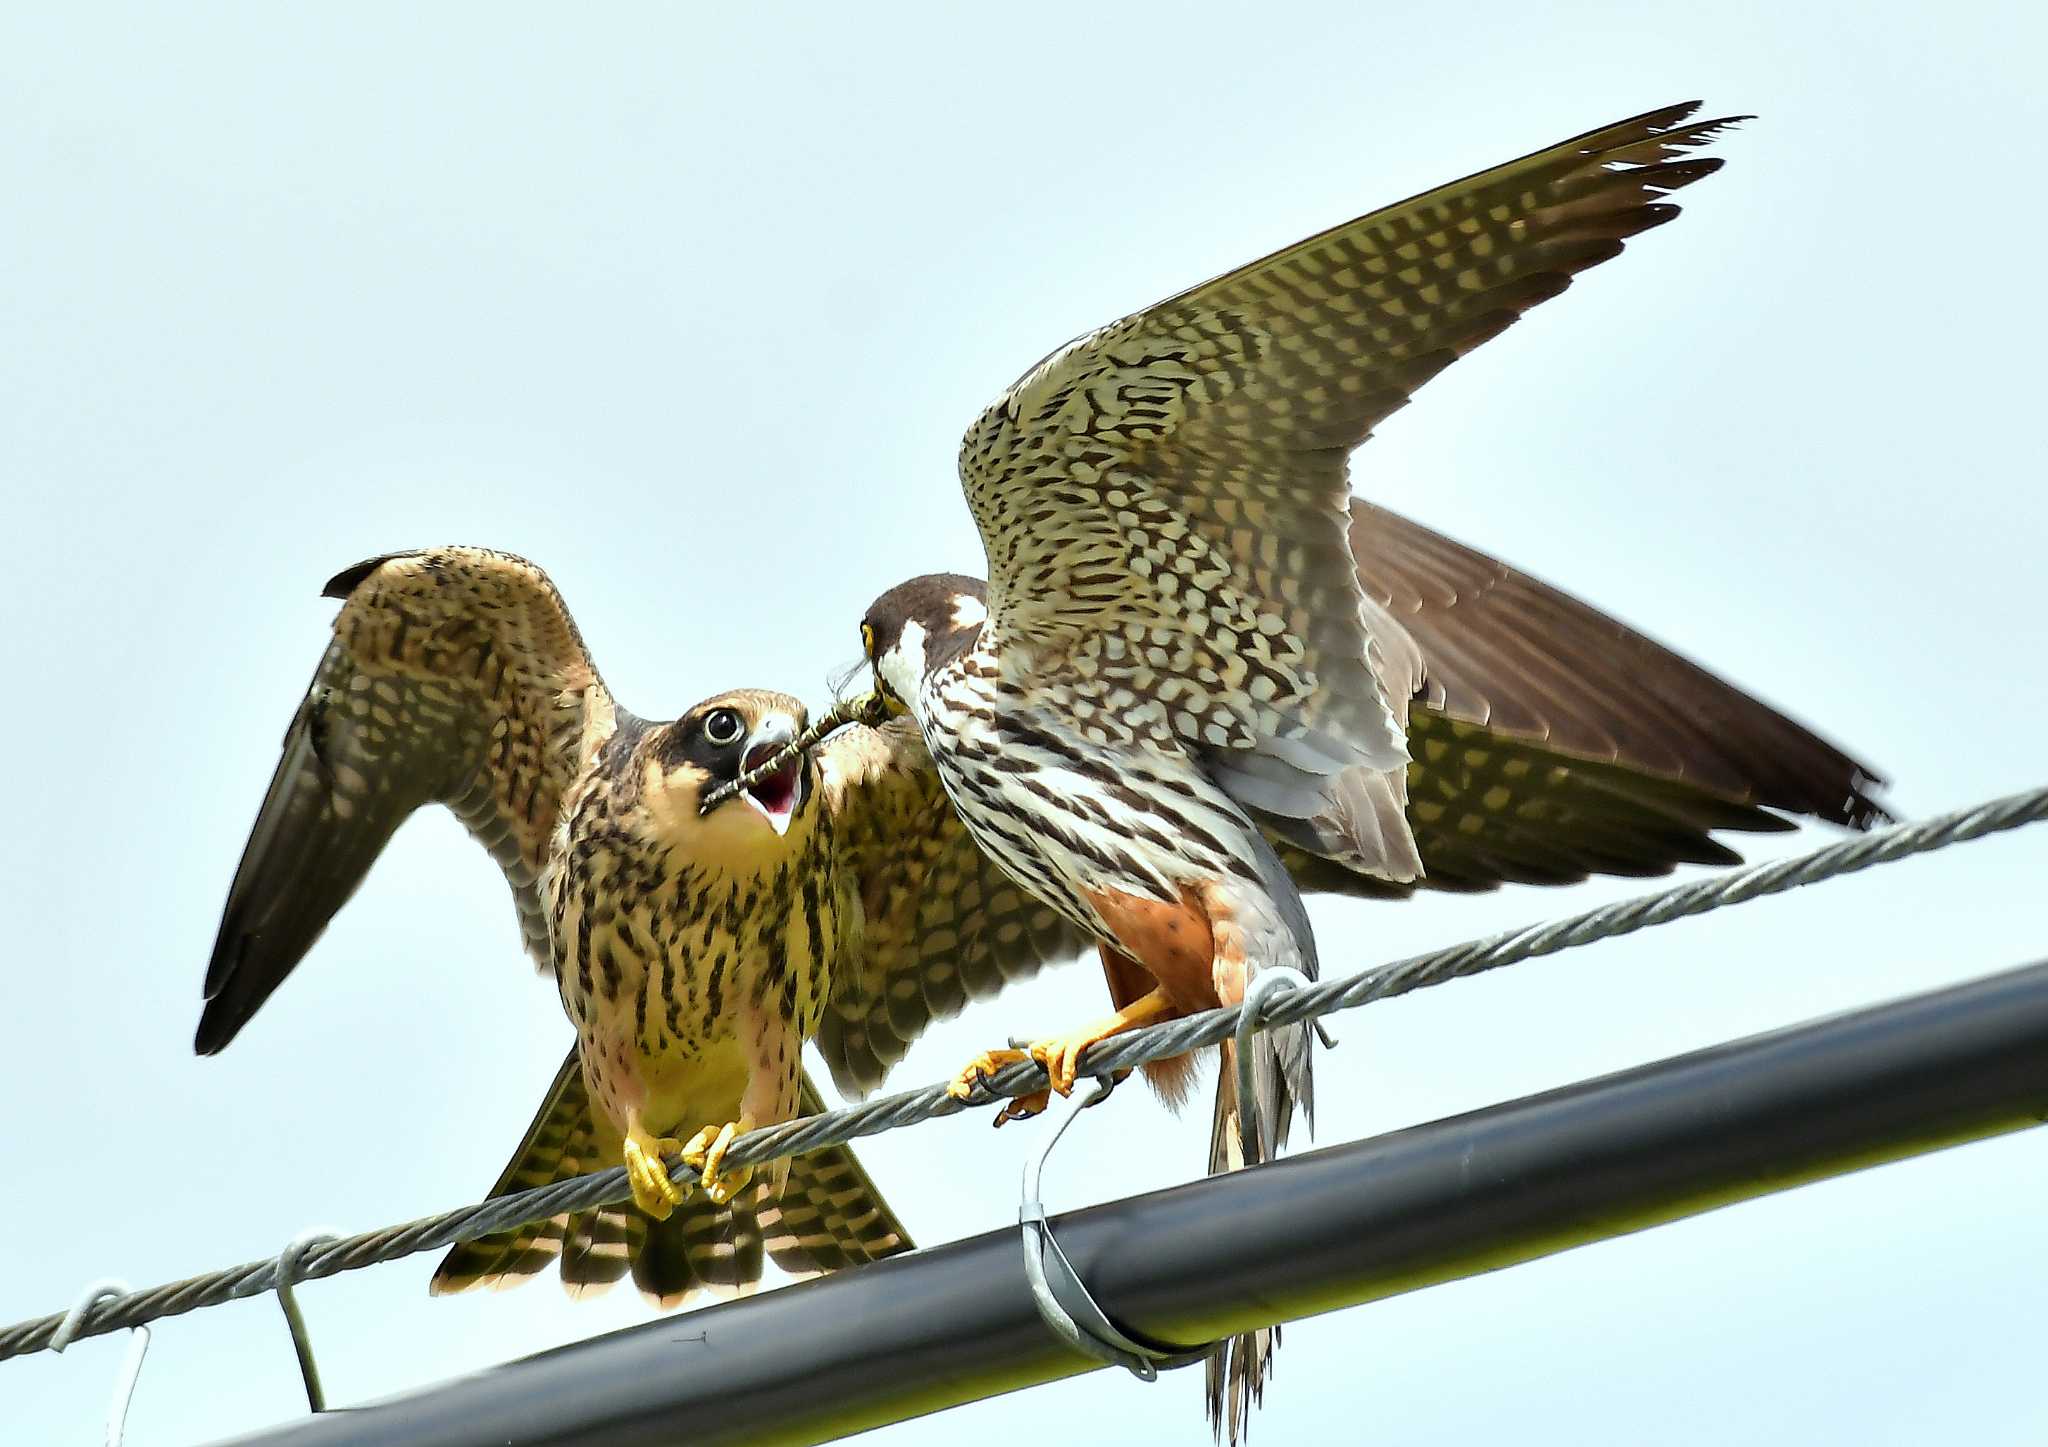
{"x": 1305, "y": 1235}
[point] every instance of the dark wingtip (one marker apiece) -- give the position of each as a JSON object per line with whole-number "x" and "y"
{"x": 215, "y": 1030}
{"x": 230, "y": 1003}
{"x": 349, "y": 579}
{"x": 345, "y": 582}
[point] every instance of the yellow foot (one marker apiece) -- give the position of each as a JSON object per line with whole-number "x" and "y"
{"x": 979, "y": 1069}
{"x": 987, "y": 1063}
{"x": 1060, "y": 1055}
{"x": 706, "y": 1151}
{"x": 653, "y": 1191}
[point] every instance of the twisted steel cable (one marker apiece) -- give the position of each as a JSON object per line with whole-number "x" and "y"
{"x": 605, "y": 1188}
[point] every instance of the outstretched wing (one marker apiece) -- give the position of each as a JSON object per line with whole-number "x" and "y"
{"x": 1163, "y": 502}
{"x": 1522, "y": 659}
{"x": 1488, "y": 807}
{"x": 1550, "y": 742}
{"x": 455, "y": 676}
{"x": 943, "y": 924}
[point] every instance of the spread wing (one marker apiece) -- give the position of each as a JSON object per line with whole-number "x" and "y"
{"x": 1549, "y": 741}
{"x": 455, "y": 676}
{"x": 1511, "y": 653}
{"x": 1163, "y": 502}
{"x": 1488, "y": 807}
{"x": 944, "y": 925}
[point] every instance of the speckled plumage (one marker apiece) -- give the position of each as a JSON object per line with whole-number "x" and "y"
{"x": 694, "y": 954}
{"x": 1182, "y": 697}
{"x": 1177, "y": 657}
{"x": 683, "y": 964}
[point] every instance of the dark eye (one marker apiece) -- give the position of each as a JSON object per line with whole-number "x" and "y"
{"x": 722, "y": 726}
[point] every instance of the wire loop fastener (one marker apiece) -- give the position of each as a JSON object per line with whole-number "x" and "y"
{"x": 290, "y": 1262}
{"x": 1264, "y": 986}
{"x": 1058, "y": 1291}
{"x": 131, "y": 1366}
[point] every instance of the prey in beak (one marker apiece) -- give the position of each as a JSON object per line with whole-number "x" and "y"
{"x": 774, "y": 796}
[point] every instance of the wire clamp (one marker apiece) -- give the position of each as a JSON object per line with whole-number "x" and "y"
{"x": 290, "y": 1262}
{"x": 131, "y": 1368}
{"x": 1058, "y": 1291}
{"x": 1264, "y": 986}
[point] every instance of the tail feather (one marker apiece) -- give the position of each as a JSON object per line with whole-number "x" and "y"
{"x": 702, "y": 1246}
{"x": 828, "y": 1215}
{"x": 1281, "y": 1069}
{"x": 600, "y": 1248}
{"x": 1236, "y": 1370}
{"x": 558, "y": 1145}
{"x": 1356, "y": 817}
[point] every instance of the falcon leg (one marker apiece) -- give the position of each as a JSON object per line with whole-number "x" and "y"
{"x": 653, "y": 1191}
{"x": 1061, "y": 1054}
{"x": 775, "y": 1048}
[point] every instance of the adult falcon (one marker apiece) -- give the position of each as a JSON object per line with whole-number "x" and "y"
{"x": 1175, "y": 682}
{"x": 695, "y": 952}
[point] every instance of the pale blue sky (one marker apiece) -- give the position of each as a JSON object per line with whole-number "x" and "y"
{"x": 691, "y": 305}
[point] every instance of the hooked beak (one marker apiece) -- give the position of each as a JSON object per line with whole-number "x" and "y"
{"x": 774, "y": 797}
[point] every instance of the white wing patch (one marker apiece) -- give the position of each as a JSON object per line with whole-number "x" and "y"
{"x": 969, "y": 611}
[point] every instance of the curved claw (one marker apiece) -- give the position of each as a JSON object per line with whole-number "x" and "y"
{"x": 975, "y": 1073}
{"x": 1023, "y": 1107}
{"x": 1061, "y": 1057}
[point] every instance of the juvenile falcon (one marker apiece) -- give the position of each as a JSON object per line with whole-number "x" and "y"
{"x": 695, "y": 952}
{"x": 1175, "y": 682}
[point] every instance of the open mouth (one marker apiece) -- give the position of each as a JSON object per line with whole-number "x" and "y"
{"x": 774, "y": 797}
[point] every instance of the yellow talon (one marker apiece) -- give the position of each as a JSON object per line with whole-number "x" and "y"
{"x": 706, "y": 1151}
{"x": 653, "y": 1191}
{"x": 1061, "y": 1054}
{"x": 1023, "y": 1107}
{"x": 1061, "y": 1057}
{"x": 980, "y": 1068}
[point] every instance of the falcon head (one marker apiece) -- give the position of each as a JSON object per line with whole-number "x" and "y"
{"x": 717, "y": 741}
{"x": 917, "y": 626}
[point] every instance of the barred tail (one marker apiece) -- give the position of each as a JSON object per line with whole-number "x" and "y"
{"x": 829, "y": 1215}
{"x": 558, "y": 1145}
{"x": 1235, "y": 1373}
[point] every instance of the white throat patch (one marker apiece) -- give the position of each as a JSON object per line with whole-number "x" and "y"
{"x": 902, "y": 667}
